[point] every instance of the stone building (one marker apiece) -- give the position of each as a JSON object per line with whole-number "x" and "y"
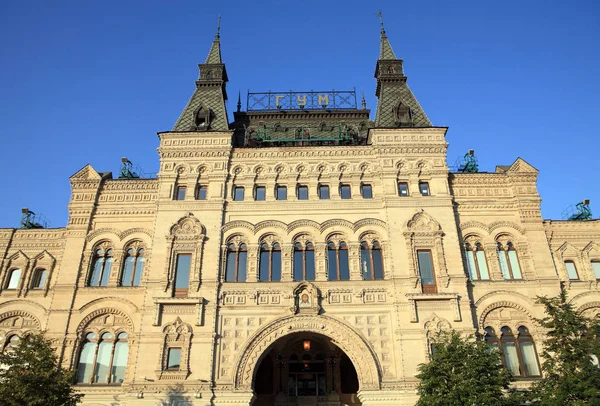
{"x": 302, "y": 254}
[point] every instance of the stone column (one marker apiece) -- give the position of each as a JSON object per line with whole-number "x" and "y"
{"x": 320, "y": 261}
{"x": 287, "y": 255}
{"x": 354, "y": 261}
{"x": 252, "y": 265}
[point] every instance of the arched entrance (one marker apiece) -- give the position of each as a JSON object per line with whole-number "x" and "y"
{"x": 305, "y": 368}
{"x": 334, "y": 343}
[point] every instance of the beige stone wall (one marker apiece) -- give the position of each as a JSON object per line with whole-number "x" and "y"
{"x": 224, "y": 327}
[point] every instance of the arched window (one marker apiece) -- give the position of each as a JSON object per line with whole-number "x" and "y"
{"x": 476, "y": 262}
{"x": 304, "y": 262}
{"x": 133, "y": 267}
{"x": 237, "y": 257}
{"x": 571, "y": 270}
{"x": 101, "y": 267}
{"x": 39, "y": 279}
{"x": 12, "y": 342}
{"x": 509, "y": 262}
{"x": 270, "y": 263}
{"x": 103, "y": 361}
{"x": 337, "y": 262}
{"x": 14, "y": 277}
{"x": 518, "y": 352}
{"x": 371, "y": 261}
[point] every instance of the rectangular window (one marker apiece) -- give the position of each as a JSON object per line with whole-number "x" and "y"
{"x": 238, "y": 193}
{"x": 182, "y": 274}
{"x": 571, "y": 270}
{"x": 345, "y": 192}
{"x": 201, "y": 192}
{"x": 323, "y": 192}
{"x": 426, "y": 271}
{"x": 402, "y": 189}
{"x": 366, "y": 191}
{"x": 260, "y": 193}
{"x": 174, "y": 359}
{"x": 596, "y": 268}
{"x": 281, "y": 192}
{"x": 302, "y": 192}
{"x": 180, "y": 193}
{"x": 424, "y": 188}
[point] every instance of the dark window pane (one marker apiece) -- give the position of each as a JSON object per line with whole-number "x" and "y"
{"x": 276, "y": 266}
{"x": 238, "y": 193}
{"x": 403, "y": 189}
{"x": 310, "y": 265}
{"x": 425, "y": 268}
{"x": 365, "y": 263}
{"x": 345, "y": 192}
{"x": 127, "y": 271}
{"x": 344, "y": 264}
{"x": 182, "y": 275}
{"x": 139, "y": 270}
{"x": 201, "y": 194}
{"x": 243, "y": 256}
{"x": 174, "y": 358}
{"x": 281, "y": 193}
{"x": 40, "y": 278}
{"x": 106, "y": 272}
{"x": 298, "y": 276}
{"x": 263, "y": 273}
{"x": 367, "y": 192}
{"x": 377, "y": 263}
{"x": 424, "y": 188}
{"x": 332, "y": 264}
{"x": 302, "y": 192}
{"x": 260, "y": 193}
{"x": 180, "y": 195}
{"x": 95, "y": 277}
{"x": 230, "y": 271}
{"x": 323, "y": 192}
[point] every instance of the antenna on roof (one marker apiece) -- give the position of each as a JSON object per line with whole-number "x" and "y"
{"x": 581, "y": 211}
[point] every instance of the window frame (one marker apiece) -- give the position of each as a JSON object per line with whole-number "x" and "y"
{"x": 304, "y": 188}
{"x": 345, "y": 187}
{"x": 370, "y": 248}
{"x": 240, "y": 247}
{"x": 107, "y": 253}
{"x": 11, "y": 273}
{"x": 499, "y": 340}
{"x": 426, "y": 191}
{"x": 478, "y": 247}
{"x": 362, "y": 190}
{"x": 235, "y": 191}
{"x": 136, "y": 255}
{"x": 182, "y": 292}
{"x": 509, "y": 247}
{"x": 114, "y": 340}
{"x": 280, "y": 192}
{"x": 169, "y": 349}
{"x": 405, "y": 187}
{"x": 199, "y": 190}
{"x": 38, "y": 278}
{"x": 429, "y": 287}
{"x": 572, "y": 262}
{"x": 322, "y": 190}
{"x": 262, "y": 188}
{"x": 594, "y": 271}
{"x": 341, "y": 246}
{"x": 178, "y": 191}
{"x": 270, "y": 249}
{"x": 303, "y": 248}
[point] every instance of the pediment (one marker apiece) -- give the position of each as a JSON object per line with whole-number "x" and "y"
{"x": 520, "y": 165}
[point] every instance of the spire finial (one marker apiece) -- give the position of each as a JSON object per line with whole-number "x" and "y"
{"x": 364, "y": 103}
{"x": 380, "y": 15}
{"x": 239, "y": 104}
{"x": 218, "y": 25}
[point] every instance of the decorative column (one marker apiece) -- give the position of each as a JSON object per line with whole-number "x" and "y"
{"x": 287, "y": 254}
{"x": 252, "y": 266}
{"x": 492, "y": 261}
{"x": 320, "y": 261}
{"x": 354, "y": 261}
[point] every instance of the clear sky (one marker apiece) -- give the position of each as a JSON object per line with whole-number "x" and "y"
{"x": 92, "y": 81}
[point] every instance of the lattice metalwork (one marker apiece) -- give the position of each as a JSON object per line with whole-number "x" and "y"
{"x": 328, "y": 100}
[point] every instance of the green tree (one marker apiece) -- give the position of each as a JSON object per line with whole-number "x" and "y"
{"x": 30, "y": 375}
{"x": 570, "y": 374}
{"x": 463, "y": 371}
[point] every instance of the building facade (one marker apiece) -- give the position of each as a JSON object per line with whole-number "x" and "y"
{"x": 302, "y": 254}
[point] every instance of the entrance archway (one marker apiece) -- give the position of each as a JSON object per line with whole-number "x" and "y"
{"x": 305, "y": 368}
{"x": 326, "y": 330}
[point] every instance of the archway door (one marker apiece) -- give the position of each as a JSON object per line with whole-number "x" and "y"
{"x": 306, "y": 369}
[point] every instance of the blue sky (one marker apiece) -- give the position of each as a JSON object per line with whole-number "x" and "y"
{"x": 89, "y": 82}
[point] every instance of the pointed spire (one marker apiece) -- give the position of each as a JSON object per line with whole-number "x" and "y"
{"x": 363, "y": 102}
{"x": 214, "y": 55}
{"x": 385, "y": 49}
{"x": 239, "y": 104}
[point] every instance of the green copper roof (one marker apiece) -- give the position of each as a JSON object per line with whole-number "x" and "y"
{"x": 214, "y": 55}
{"x": 385, "y": 49}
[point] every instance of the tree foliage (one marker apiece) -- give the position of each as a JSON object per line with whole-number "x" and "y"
{"x": 570, "y": 374}
{"x": 30, "y": 375}
{"x": 463, "y": 371}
